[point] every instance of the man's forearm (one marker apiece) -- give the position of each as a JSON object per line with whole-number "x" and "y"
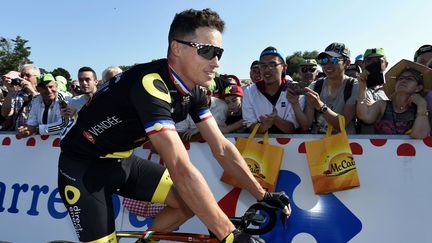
{"x": 284, "y": 125}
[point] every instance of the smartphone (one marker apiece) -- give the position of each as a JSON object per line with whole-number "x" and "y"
{"x": 297, "y": 87}
{"x": 375, "y": 77}
{"x": 63, "y": 104}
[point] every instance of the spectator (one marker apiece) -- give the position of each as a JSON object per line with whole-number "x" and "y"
{"x": 359, "y": 61}
{"x": 423, "y": 55}
{"x": 20, "y": 93}
{"x": 353, "y": 70}
{"x": 88, "y": 85}
{"x": 75, "y": 88}
{"x": 110, "y": 72}
{"x": 308, "y": 70}
{"x": 187, "y": 129}
{"x": 265, "y": 102}
{"x": 254, "y": 73}
{"x": 233, "y": 95}
{"x": 220, "y": 82}
{"x": 44, "y": 117}
{"x": 406, "y": 112}
{"x": 333, "y": 95}
{"x": 374, "y": 81}
{"x": 61, "y": 84}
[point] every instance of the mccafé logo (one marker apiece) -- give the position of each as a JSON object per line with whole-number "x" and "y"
{"x": 340, "y": 164}
{"x": 255, "y": 168}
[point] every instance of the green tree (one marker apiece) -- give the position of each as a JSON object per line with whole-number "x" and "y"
{"x": 61, "y": 71}
{"x": 125, "y": 67}
{"x": 295, "y": 59}
{"x": 13, "y": 53}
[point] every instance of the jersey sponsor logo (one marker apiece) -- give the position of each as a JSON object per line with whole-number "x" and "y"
{"x": 72, "y": 194}
{"x": 158, "y": 126}
{"x": 104, "y": 125}
{"x": 156, "y": 87}
{"x": 205, "y": 114}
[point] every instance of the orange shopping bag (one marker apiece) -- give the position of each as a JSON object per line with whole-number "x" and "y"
{"x": 264, "y": 160}
{"x": 331, "y": 163}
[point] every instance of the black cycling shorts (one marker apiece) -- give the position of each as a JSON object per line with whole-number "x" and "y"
{"x": 86, "y": 187}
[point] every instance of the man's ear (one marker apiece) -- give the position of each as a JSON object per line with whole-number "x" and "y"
{"x": 175, "y": 48}
{"x": 419, "y": 88}
{"x": 347, "y": 63}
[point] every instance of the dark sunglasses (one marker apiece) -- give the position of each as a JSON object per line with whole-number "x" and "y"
{"x": 269, "y": 65}
{"x": 205, "y": 50}
{"x": 333, "y": 60}
{"x": 308, "y": 69}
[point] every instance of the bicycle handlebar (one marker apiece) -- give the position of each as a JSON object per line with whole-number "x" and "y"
{"x": 251, "y": 216}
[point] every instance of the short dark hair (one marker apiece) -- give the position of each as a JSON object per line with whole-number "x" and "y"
{"x": 185, "y": 23}
{"x": 88, "y": 69}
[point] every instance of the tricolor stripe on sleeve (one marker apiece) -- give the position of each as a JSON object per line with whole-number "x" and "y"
{"x": 159, "y": 126}
{"x": 204, "y": 114}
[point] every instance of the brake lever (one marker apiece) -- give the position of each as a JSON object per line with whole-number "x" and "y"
{"x": 284, "y": 219}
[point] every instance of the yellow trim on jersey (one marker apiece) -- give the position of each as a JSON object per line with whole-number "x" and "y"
{"x": 163, "y": 188}
{"x": 111, "y": 238}
{"x": 147, "y": 82}
{"x": 75, "y": 194}
{"x": 118, "y": 155}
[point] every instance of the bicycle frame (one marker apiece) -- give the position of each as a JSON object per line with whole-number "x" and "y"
{"x": 171, "y": 236}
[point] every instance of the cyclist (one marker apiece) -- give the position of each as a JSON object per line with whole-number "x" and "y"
{"x": 142, "y": 104}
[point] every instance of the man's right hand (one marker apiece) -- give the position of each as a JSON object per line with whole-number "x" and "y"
{"x": 238, "y": 236}
{"x": 278, "y": 200}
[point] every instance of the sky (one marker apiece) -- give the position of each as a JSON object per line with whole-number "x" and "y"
{"x": 102, "y": 33}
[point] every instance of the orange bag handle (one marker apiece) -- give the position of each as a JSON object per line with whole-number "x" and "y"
{"x": 254, "y": 131}
{"x": 341, "y": 126}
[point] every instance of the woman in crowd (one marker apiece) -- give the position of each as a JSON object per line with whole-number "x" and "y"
{"x": 406, "y": 111}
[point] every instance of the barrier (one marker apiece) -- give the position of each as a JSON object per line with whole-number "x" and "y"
{"x": 391, "y": 205}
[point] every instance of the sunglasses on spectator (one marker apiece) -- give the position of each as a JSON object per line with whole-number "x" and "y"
{"x": 28, "y": 75}
{"x": 333, "y": 60}
{"x": 269, "y": 65}
{"x": 308, "y": 69}
{"x": 205, "y": 50}
{"x": 407, "y": 78}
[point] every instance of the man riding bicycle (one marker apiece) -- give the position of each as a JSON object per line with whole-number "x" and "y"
{"x": 143, "y": 104}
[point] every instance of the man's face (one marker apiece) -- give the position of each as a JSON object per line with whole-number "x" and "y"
{"x": 371, "y": 60}
{"x": 271, "y": 68}
{"x": 28, "y": 74}
{"x": 424, "y": 58}
{"x": 308, "y": 73}
{"x": 255, "y": 74}
{"x": 87, "y": 82}
{"x": 195, "y": 68}
{"x": 334, "y": 69}
{"x": 49, "y": 91}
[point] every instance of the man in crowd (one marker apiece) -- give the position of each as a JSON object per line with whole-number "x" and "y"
{"x": 21, "y": 90}
{"x": 254, "y": 73}
{"x": 423, "y": 55}
{"x": 143, "y": 104}
{"x": 265, "y": 102}
{"x": 44, "y": 117}
{"x": 334, "y": 95}
{"x": 308, "y": 70}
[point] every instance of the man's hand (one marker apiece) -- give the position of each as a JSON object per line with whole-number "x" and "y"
{"x": 238, "y": 236}
{"x": 27, "y": 130}
{"x": 278, "y": 200}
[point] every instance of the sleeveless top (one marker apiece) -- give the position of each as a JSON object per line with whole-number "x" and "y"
{"x": 396, "y": 123}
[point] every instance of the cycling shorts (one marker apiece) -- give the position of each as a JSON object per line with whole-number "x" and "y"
{"x": 86, "y": 187}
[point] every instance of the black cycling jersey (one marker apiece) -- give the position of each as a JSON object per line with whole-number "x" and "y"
{"x": 145, "y": 99}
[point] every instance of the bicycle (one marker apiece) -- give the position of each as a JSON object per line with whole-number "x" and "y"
{"x": 252, "y": 216}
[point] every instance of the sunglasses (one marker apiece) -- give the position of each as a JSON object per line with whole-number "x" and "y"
{"x": 333, "y": 60}
{"x": 269, "y": 65}
{"x": 308, "y": 69}
{"x": 205, "y": 50}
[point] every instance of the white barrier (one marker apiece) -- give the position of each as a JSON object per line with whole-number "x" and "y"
{"x": 391, "y": 205}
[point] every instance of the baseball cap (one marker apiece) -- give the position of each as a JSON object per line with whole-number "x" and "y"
{"x": 254, "y": 64}
{"x": 273, "y": 52}
{"x": 233, "y": 90}
{"x": 308, "y": 62}
{"x": 374, "y": 52}
{"x": 335, "y": 49}
{"x": 12, "y": 75}
{"x": 421, "y": 50}
{"x": 44, "y": 79}
{"x": 359, "y": 57}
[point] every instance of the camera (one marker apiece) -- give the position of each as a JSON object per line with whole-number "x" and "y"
{"x": 297, "y": 87}
{"x": 16, "y": 81}
{"x": 375, "y": 77}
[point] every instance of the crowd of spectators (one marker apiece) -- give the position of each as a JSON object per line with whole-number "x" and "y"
{"x": 372, "y": 99}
